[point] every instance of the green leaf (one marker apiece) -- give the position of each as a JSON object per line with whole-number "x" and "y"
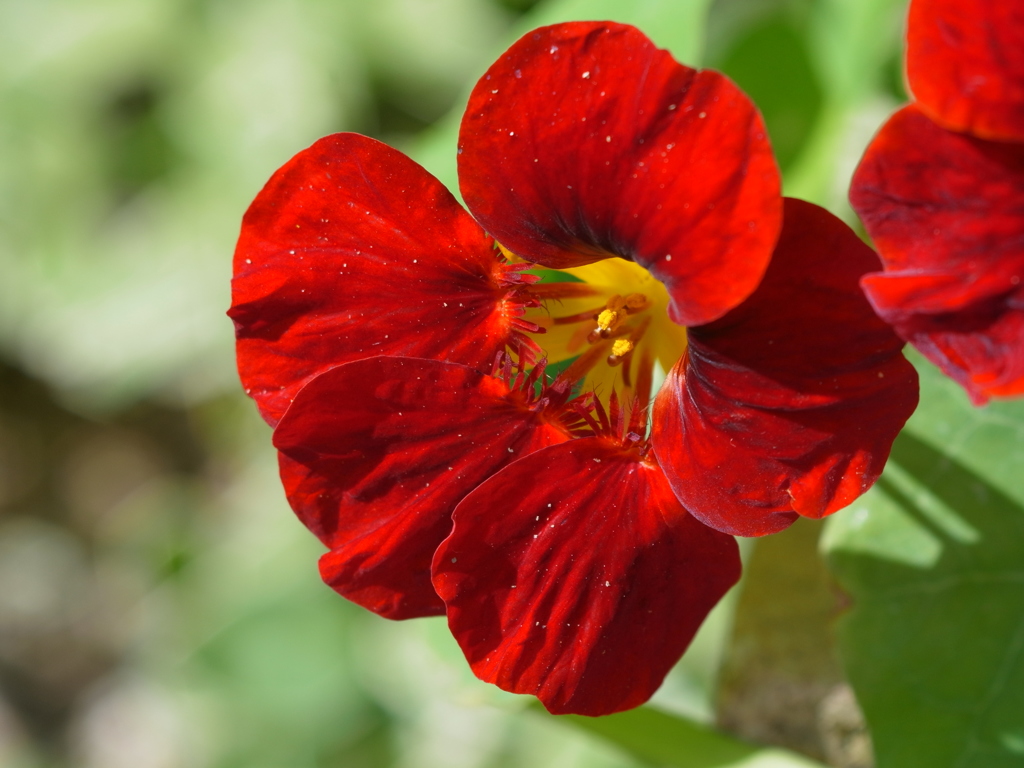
{"x": 659, "y": 738}
{"x": 933, "y": 559}
{"x": 853, "y": 44}
{"x": 852, "y": 40}
{"x": 676, "y": 25}
{"x": 771, "y": 53}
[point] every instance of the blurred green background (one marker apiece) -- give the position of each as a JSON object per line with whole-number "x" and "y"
{"x": 159, "y": 605}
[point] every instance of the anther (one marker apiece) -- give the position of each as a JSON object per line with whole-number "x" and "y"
{"x": 621, "y": 349}
{"x": 635, "y": 302}
{"x": 615, "y": 312}
{"x": 610, "y": 319}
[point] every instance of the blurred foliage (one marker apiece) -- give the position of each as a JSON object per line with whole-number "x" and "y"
{"x": 658, "y": 738}
{"x": 160, "y": 608}
{"x": 781, "y": 679}
{"x": 934, "y": 559}
{"x": 789, "y": 112}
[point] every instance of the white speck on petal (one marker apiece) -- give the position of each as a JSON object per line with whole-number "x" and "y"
{"x": 248, "y": 261}
{"x": 608, "y": 139}
{"x": 552, "y": 49}
{"x": 454, "y": 559}
{"x": 668, "y": 257}
{"x": 586, "y": 75}
{"x": 702, "y": 115}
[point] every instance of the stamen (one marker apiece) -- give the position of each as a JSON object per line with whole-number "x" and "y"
{"x": 638, "y": 333}
{"x": 609, "y": 320}
{"x": 615, "y": 312}
{"x": 642, "y": 392}
{"x": 608, "y": 334}
{"x": 543, "y": 291}
{"x": 620, "y": 348}
{"x": 580, "y": 367}
{"x": 636, "y": 302}
{"x": 590, "y": 314}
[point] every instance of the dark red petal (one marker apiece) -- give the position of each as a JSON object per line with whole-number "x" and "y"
{"x": 353, "y": 250}
{"x": 377, "y": 453}
{"x": 946, "y": 212}
{"x": 585, "y": 141}
{"x": 965, "y": 64}
{"x": 574, "y": 575}
{"x": 789, "y": 404}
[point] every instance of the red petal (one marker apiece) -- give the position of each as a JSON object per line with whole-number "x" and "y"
{"x": 946, "y": 211}
{"x": 789, "y": 404}
{"x": 353, "y": 250}
{"x": 585, "y": 141}
{"x": 965, "y": 65}
{"x": 377, "y": 453}
{"x": 574, "y": 575}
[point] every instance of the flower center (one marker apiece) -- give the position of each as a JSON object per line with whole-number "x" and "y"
{"x": 616, "y": 311}
{"x": 614, "y": 345}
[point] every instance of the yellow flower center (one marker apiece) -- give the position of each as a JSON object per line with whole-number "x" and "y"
{"x": 622, "y": 327}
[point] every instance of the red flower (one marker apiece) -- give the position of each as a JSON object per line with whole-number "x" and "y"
{"x": 399, "y": 355}
{"x": 941, "y": 192}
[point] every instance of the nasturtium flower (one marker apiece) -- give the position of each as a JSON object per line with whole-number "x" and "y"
{"x": 941, "y": 192}
{"x": 463, "y": 402}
